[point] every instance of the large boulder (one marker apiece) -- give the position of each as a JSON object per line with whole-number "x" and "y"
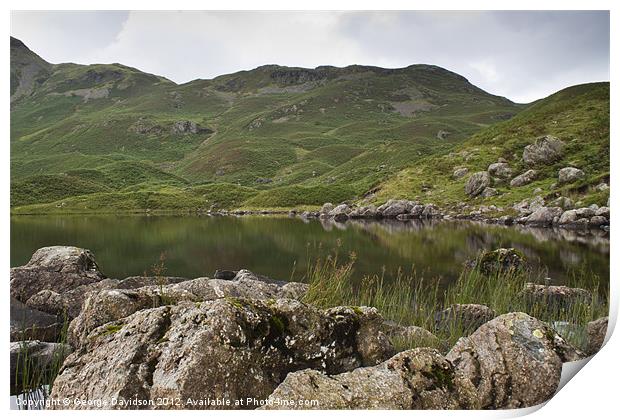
{"x": 513, "y": 361}
{"x": 500, "y": 170}
{"x": 477, "y": 182}
{"x": 418, "y": 379}
{"x": 465, "y": 318}
{"x": 567, "y": 175}
{"x": 596, "y": 330}
{"x": 394, "y": 208}
{"x": 32, "y": 324}
{"x": 34, "y": 358}
{"x": 544, "y": 216}
{"x": 524, "y": 179}
{"x": 326, "y": 209}
{"x": 546, "y": 149}
{"x": 111, "y": 304}
{"x": 554, "y": 297}
{"x": 55, "y": 268}
{"x": 228, "y": 348}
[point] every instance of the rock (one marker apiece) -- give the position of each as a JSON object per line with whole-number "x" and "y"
{"x": 596, "y": 330}
{"x": 598, "y": 221}
{"x": 568, "y": 217}
{"x": 48, "y": 301}
{"x": 326, "y": 209}
{"x": 501, "y": 260}
{"x": 564, "y": 202}
{"x": 224, "y": 274}
{"x": 395, "y": 208}
{"x": 602, "y": 187}
{"x": 544, "y": 216}
{"x": 466, "y": 318}
{"x": 602, "y": 211}
{"x": 233, "y": 348}
{"x": 489, "y": 192}
{"x": 418, "y": 379}
{"x": 32, "y": 324}
{"x": 546, "y": 149}
{"x": 567, "y": 175}
{"x": 524, "y": 179}
{"x": 513, "y": 361}
{"x": 500, "y": 170}
{"x": 460, "y": 173}
{"x": 34, "y": 356}
{"x": 110, "y": 305}
{"x": 555, "y": 297}
{"x": 55, "y": 268}
{"x": 431, "y": 211}
{"x": 188, "y": 127}
{"x": 340, "y": 213}
{"x": 477, "y": 183}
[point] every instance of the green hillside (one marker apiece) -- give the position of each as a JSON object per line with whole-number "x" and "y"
{"x": 579, "y": 116}
{"x": 108, "y": 137}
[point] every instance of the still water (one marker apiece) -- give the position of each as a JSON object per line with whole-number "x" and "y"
{"x": 280, "y": 247}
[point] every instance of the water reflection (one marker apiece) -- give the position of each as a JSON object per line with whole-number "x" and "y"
{"x": 281, "y": 247}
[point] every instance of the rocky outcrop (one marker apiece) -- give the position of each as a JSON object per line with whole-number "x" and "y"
{"x": 32, "y": 324}
{"x": 465, "y": 318}
{"x": 512, "y": 361}
{"x": 229, "y": 347}
{"x": 55, "y": 268}
{"x": 33, "y": 356}
{"x": 477, "y": 182}
{"x": 596, "y": 331}
{"x": 525, "y": 178}
{"x": 546, "y": 149}
{"x": 568, "y": 175}
{"x": 112, "y": 304}
{"x": 418, "y": 379}
{"x": 188, "y": 127}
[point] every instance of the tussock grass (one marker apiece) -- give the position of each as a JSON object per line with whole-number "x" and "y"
{"x": 413, "y": 300}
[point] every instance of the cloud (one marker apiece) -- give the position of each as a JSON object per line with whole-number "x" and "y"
{"x": 521, "y": 55}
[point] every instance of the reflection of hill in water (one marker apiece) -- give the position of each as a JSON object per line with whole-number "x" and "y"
{"x": 275, "y": 246}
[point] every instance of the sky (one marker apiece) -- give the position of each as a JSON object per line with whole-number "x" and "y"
{"x": 522, "y": 55}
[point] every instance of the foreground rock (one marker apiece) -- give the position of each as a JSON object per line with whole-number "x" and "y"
{"x": 418, "y": 379}
{"x": 567, "y": 175}
{"x": 111, "y": 304}
{"x": 513, "y": 361}
{"x": 31, "y": 324}
{"x": 228, "y": 348}
{"x": 525, "y": 178}
{"x": 596, "y": 330}
{"x": 55, "y": 268}
{"x": 34, "y": 356}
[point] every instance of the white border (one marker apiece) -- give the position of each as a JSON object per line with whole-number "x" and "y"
{"x": 593, "y": 394}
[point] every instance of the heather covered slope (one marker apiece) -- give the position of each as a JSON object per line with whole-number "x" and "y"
{"x": 108, "y": 137}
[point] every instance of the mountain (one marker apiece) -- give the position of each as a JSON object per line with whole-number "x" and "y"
{"x": 108, "y": 137}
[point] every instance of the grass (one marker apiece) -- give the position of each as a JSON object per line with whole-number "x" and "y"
{"x": 411, "y": 300}
{"x": 32, "y": 378}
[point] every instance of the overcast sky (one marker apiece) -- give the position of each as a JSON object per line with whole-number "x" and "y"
{"x": 521, "y": 55}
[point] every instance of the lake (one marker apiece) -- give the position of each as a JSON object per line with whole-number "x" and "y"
{"x": 280, "y": 247}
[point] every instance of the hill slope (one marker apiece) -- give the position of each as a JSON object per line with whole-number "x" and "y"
{"x": 578, "y": 116}
{"x": 106, "y": 137}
